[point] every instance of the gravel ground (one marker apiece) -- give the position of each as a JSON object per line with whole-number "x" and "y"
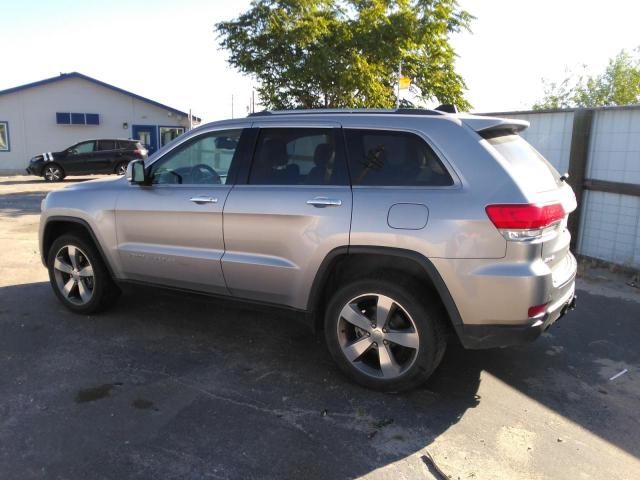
{"x": 166, "y": 385}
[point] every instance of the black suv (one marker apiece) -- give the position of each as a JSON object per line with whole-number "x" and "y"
{"x": 86, "y": 158}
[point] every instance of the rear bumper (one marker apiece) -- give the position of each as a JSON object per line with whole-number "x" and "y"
{"x": 492, "y": 336}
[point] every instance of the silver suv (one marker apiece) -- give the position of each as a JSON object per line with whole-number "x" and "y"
{"x": 392, "y": 231}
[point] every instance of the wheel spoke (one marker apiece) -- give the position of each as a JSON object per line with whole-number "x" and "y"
{"x": 69, "y": 286}
{"x": 62, "y": 266}
{"x": 355, "y": 349}
{"x": 383, "y": 309}
{"x": 73, "y": 256}
{"x": 388, "y": 363}
{"x": 405, "y": 339}
{"x": 84, "y": 291}
{"x": 86, "y": 271}
{"x": 352, "y": 315}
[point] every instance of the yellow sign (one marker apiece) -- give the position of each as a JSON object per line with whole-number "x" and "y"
{"x": 405, "y": 82}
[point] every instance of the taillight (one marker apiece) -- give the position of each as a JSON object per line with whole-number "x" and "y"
{"x": 537, "y": 311}
{"x": 524, "y": 221}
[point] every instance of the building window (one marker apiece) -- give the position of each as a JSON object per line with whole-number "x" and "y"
{"x": 92, "y": 118}
{"x": 63, "y": 118}
{"x": 167, "y": 134}
{"x": 66, "y": 118}
{"x": 4, "y": 136}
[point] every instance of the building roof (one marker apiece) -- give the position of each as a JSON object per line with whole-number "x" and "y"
{"x": 64, "y": 76}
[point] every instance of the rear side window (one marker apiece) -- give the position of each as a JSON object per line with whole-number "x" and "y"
{"x": 390, "y": 158}
{"x": 527, "y": 165}
{"x": 106, "y": 145}
{"x": 297, "y": 156}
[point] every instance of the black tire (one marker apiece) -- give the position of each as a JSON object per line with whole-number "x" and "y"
{"x": 49, "y": 175}
{"x": 104, "y": 291}
{"x": 427, "y": 314}
{"x": 121, "y": 166}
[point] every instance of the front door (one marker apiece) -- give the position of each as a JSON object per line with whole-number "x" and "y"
{"x": 147, "y": 135}
{"x": 170, "y": 232}
{"x": 79, "y": 158}
{"x": 292, "y": 211}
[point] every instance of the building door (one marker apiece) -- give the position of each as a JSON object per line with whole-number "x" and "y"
{"x": 147, "y": 135}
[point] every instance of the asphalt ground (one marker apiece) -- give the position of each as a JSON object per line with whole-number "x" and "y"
{"x": 166, "y": 385}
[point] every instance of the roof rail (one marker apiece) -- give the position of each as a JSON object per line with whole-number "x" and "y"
{"x": 441, "y": 110}
{"x": 348, "y": 111}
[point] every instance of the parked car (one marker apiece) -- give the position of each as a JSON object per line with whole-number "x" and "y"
{"x": 392, "y": 231}
{"x": 87, "y": 158}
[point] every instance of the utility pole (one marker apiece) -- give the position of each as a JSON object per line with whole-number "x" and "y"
{"x": 398, "y": 86}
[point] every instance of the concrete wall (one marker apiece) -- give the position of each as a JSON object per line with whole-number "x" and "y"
{"x": 31, "y": 114}
{"x": 610, "y": 224}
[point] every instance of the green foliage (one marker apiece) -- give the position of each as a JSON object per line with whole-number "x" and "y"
{"x": 345, "y": 53}
{"x": 619, "y": 84}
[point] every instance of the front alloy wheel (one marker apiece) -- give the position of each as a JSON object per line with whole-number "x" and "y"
{"x": 78, "y": 275}
{"x": 74, "y": 275}
{"x": 53, "y": 173}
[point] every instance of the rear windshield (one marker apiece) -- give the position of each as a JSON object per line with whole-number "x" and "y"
{"x": 529, "y": 168}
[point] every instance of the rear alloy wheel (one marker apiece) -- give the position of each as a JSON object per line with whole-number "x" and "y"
{"x": 53, "y": 173}
{"x": 78, "y": 275}
{"x": 121, "y": 169}
{"x": 382, "y": 336}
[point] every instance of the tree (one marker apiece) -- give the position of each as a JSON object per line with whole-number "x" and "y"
{"x": 346, "y": 53}
{"x": 619, "y": 84}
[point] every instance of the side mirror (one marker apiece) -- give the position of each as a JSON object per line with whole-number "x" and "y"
{"x": 136, "y": 172}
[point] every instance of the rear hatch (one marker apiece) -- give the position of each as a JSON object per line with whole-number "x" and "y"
{"x": 543, "y": 185}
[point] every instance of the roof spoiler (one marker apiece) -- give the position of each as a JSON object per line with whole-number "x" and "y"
{"x": 489, "y": 127}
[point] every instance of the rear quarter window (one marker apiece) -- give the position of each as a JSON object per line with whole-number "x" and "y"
{"x": 392, "y": 158}
{"x": 526, "y": 164}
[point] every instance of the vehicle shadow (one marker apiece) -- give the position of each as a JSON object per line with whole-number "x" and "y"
{"x": 23, "y": 203}
{"x": 167, "y": 384}
{"x": 41, "y": 181}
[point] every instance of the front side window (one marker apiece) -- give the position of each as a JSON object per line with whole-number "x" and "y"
{"x": 205, "y": 160}
{"x": 168, "y": 134}
{"x": 391, "y": 158}
{"x": 86, "y": 147}
{"x": 297, "y": 156}
{"x": 4, "y": 136}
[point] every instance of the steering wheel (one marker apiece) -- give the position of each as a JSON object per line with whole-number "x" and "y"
{"x": 203, "y": 173}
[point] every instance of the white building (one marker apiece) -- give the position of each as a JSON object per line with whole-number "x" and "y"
{"x": 54, "y": 113}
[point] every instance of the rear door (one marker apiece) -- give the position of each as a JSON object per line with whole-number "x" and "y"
{"x": 170, "y": 232}
{"x": 291, "y": 210}
{"x": 105, "y": 156}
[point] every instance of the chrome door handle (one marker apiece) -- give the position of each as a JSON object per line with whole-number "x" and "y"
{"x": 321, "y": 202}
{"x": 203, "y": 200}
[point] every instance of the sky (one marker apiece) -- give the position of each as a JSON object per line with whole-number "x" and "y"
{"x": 167, "y": 50}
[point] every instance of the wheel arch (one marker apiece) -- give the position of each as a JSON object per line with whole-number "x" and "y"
{"x": 340, "y": 266}
{"x": 60, "y": 225}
